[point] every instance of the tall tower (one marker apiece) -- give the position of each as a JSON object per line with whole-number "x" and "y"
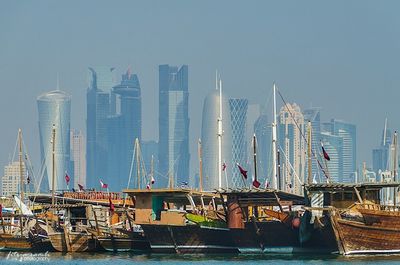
{"x": 98, "y": 110}
{"x": 292, "y": 147}
{"x": 78, "y": 157}
{"x": 124, "y": 126}
{"x": 347, "y": 132}
{"x": 173, "y": 125}
{"x": 238, "y": 110}
{"x": 209, "y": 141}
{"x": 54, "y": 107}
{"x": 263, "y": 132}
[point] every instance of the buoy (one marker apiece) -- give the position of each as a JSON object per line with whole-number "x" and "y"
{"x": 296, "y": 222}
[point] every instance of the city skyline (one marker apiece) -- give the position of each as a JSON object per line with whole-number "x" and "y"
{"x": 331, "y": 65}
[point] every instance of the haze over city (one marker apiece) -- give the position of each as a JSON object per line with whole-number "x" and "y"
{"x": 341, "y": 56}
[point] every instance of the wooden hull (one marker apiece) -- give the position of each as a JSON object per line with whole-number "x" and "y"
{"x": 10, "y": 242}
{"x": 132, "y": 241}
{"x": 74, "y": 242}
{"x": 381, "y": 218}
{"x": 355, "y": 237}
{"x": 189, "y": 239}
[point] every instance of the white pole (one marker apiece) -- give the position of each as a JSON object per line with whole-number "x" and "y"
{"x": 220, "y": 137}
{"x": 274, "y": 158}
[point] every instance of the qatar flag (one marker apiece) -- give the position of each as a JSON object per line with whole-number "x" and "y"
{"x": 152, "y": 180}
{"x": 326, "y": 156}
{"x": 256, "y": 183}
{"x": 103, "y": 185}
{"x": 67, "y": 178}
{"x": 242, "y": 171}
{"x": 80, "y": 187}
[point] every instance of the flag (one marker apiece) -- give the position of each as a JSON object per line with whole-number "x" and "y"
{"x": 80, "y": 187}
{"x": 326, "y": 156}
{"x": 152, "y": 180}
{"x": 111, "y": 205}
{"x": 267, "y": 184}
{"x": 103, "y": 185}
{"x": 242, "y": 171}
{"x": 148, "y": 186}
{"x": 256, "y": 183}
{"x": 67, "y": 178}
{"x": 223, "y": 166}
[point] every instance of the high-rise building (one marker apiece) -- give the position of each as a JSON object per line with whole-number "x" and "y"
{"x": 124, "y": 126}
{"x": 263, "y": 132}
{"x": 347, "y": 132}
{"x": 333, "y": 145}
{"x": 209, "y": 142}
{"x": 78, "y": 157}
{"x": 291, "y": 147}
{"x": 98, "y": 111}
{"x": 11, "y": 178}
{"x": 313, "y": 115}
{"x": 55, "y": 109}
{"x": 173, "y": 125}
{"x": 238, "y": 110}
{"x": 380, "y": 155}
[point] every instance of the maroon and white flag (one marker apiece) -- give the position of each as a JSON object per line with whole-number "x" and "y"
{"x": 242, "y": 171}
{"x": 103, "y": 185}
{"x": 67, "y": 178}
{"x": 326, "y": 156}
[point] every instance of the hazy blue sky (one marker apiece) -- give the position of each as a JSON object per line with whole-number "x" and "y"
{"x": 342, "y": 56}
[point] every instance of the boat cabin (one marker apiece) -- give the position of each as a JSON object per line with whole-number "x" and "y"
{"x": 172, "y": 206}
{"x": 245, "y": 204}
{"x": 341, "y": 195}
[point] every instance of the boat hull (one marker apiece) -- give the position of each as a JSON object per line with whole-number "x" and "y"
{"x": 74, "y": 242}
{"x": 359, "y": 238}
{"x": 132, "y": 241}
{"x": 10, "y": 242}
{"x": 189, "y": 239}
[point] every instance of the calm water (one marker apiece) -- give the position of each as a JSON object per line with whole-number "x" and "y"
{"x": 121, "y": 259}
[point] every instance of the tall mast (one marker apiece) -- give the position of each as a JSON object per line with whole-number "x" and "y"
{"x": 255, "y": 157}
{"x": 220, "y": 137}
{"x": 309, "y": 179}
{"x": 395, "y": 165}
{"x": 137, "y": 161}
{"x": 53, "y": 171}
{"x": 21, "y": 185}
{"x": 152, "y": 166}
{"x": 200, "y": 166}
{"x": 384, "y": 132}
{"x": 274, "y": 149}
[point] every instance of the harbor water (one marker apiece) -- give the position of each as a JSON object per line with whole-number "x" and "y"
{"x": 158, "y": 259}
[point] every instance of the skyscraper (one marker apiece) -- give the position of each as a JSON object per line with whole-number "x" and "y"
{"x": 98, "y": 110}
{"x": 12, "y": 178}
{"x": 380, "y": 155}
{"x": 55, "y": 108}
{"x": 78, "y": 157}
{"x": 347, "y": 132}
{"x": 124, "y": 126}
{"x": 173, "y": 125}
{"x": 333, "y": 145}
{"x": 238, "y": 110}
{"x": 263, "y": 132}
{"x": 292, "y": 147}
{"x": 209, "y": 141}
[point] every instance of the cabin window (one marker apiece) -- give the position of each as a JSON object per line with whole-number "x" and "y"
{"x": 348, "y": 196}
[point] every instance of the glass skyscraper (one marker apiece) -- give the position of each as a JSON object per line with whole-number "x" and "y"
{"x": 124, "y": 126}
{"x": 173, "y": 125}
{"x": 98, "y": 110}
{"x": 238, "y": 110}
{"x": 209, "y": 141}
{"x": 263, "y": 132}
{"x": 55, "y": 108}
{"x": 347, "y": 132}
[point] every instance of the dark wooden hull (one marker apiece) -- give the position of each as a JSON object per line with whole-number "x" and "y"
{"x": 189, "y": 239}
{"x": 10, "y": 242}
{"x": 359, "y": 238}
{"x": 131, "y": 241}
{"x": 74, "y": 242}
{"x": 266, "y": 237}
